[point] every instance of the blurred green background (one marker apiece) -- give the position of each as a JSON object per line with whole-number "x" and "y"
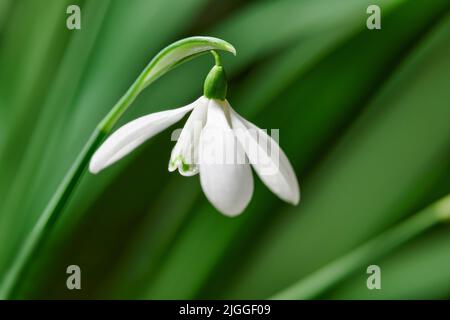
{"x": 364, "y": 116}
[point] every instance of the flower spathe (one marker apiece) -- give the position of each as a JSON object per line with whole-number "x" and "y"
{"x": 210, "y": 143}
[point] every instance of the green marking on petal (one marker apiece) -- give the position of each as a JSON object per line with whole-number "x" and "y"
{"x": 185, "y": 167}
{"x": 180, "y": 162}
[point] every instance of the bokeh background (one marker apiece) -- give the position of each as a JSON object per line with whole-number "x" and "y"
{"x": 363, "y": 116}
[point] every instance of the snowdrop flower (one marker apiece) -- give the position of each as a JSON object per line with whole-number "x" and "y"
{"x": 215, "y": 142}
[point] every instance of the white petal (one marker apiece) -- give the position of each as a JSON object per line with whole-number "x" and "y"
{"x": 227, "y": 184}
{"x": 274, "y": 169}
{"x": 131, "y": 135}
{"x": 185, "y": 153}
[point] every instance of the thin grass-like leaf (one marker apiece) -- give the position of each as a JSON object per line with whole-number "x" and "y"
{"x": 205, "y": 220}
{"x": 334, "y": 272}
{"x": 351, "y": 184}
{"x": 178, "y": 53}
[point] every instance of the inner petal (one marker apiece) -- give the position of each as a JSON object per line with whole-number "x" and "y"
{"x": 185, "y": 153}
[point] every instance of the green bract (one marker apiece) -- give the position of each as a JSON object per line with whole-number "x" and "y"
{"x": 180, "y": 52}
{"x": 167, "y": 59}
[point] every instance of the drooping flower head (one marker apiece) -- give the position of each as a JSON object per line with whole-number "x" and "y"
{"x": 216, "y": 143}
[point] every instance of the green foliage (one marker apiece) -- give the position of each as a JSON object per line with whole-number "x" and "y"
{"x": 363, "y": 116}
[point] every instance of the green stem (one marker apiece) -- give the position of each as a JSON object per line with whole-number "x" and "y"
{"x": 54, "y": 208}
{"x": 167, "y": 59}
{"x": 51, "y": 213}
{"x": 326, "y": 277}
{"x": 217, "y": 58}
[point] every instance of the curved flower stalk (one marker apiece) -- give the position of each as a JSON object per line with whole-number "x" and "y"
{"x": 167, "y": 59}
{"x": 217, "y": 143}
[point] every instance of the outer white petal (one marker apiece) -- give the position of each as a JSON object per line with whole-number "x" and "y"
{"x": 228, "y": 185}
{"x": 131, "y": 135}
{"x": 272, "y": 166}
{"x": 185, "y": 153}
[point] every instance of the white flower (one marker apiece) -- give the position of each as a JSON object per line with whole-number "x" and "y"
{"x": 218, "y": 144}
